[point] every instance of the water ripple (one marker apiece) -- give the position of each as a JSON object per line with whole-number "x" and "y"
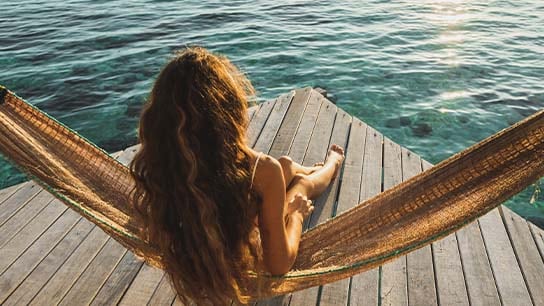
{"x": 433, "y": 75}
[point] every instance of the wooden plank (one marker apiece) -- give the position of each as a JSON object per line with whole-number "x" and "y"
{"x": 507, "y": 273}
{"x": 89, "y": 282}
{"x": 57, "y": 286}
{"x": 365, "y": 286}
{"x": 538, "y": 236}
{"x": 419, "y": 263}
{"x": 164, "y": 295}
{"x": 371, "y": 182}
{"x": 30, "y": 233}
{"x": 352, "y": 174}
{"x": 478, "y": 276}
{"x": 294, "y": 137}
{"x": 303, "y": 99}
{"x": 527, "y": 254}
{"x": 17, "y": 200}
{"x": 449, "y": 277}
{"x": 117, "y": 283}
{"x": 251, "y": 111}
{"x": 272, "y": 126}
{"x": 259, "y": 120}
{"x": 24, "y": 216}
{"x": 142, "y": 287}
{"x": 9, "y": 191}
{"x": 450, "y": 281}
{"x": 337, "y": 293}
{"x": 394, "y": 279}
{"x": 30, "y": 268}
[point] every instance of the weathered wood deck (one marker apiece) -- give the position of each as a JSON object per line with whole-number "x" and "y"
{"x": 51, "y": 255}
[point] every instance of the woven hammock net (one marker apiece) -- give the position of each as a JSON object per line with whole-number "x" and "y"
{"x": 395, "y": 222}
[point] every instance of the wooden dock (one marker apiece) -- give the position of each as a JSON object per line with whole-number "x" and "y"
{"x": 51, "y": 255}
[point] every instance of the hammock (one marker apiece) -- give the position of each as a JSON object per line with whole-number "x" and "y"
{"x": 395, "y": 222}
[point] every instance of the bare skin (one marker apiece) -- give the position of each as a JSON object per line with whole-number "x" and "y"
{"x": 286, "y": 189}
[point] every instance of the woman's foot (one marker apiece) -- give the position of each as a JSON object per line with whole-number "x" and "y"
{"x": 336, "y": 156}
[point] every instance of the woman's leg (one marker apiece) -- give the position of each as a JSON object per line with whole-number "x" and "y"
{"x": 291, "y": 169}
{"x": 313, "y": 184}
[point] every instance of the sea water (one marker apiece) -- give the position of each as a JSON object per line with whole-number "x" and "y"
{"x": 435, "y": 76}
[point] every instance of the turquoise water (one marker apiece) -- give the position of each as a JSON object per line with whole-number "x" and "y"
{"x": 435, "y": 76}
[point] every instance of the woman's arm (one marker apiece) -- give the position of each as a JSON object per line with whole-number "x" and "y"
{"x": 280, "y": 231}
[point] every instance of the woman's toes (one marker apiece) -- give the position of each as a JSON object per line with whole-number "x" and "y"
{"x": 338, "y": 149}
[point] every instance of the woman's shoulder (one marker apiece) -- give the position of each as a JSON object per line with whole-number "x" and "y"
{"x": 266, "y": 170}
{"x": 268, "y": 178}
{"x": 266, "y": 163}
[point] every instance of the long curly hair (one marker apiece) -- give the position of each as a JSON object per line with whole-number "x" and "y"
{"x": 192, "y": 175}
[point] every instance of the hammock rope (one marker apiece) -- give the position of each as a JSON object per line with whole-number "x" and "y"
{"x": 399, "y": 220}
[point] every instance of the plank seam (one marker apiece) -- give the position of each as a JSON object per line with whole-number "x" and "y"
{"x": 535, "y": 240}
{"x": 380, "y": 269}
{"x": 60, "y": 266}
{"x": 300, "y": 121}
{"x": 265, "y": 121}
{"x": 290, "y": 102}
{"x": 503, "y": 218}
{"x": 35, "y": 239}
{"x": 84, "y": 270}
{"x": 405, "y": 257}
{"x": 156, "y": 288}
{"x": 489, "y": 261}
{"x": 130, "y": 284}
{"x": 257, "y": 107}
{"x": 13, "y": 192}
{"x": 462, "y": 267}
{"x": 349, "y": 291}
{"x": 45, "y": 256}
{"x": 333, "y": 212}
{"x": 319, "y": 292}
{"x": 23, "y": 204}
{"x": 109, "y": 275}
{"x": 341, "y": 172}
{"x": 25, "y": 224}
{"x": 432, "y": 253}
{"x": 341, "y": 181}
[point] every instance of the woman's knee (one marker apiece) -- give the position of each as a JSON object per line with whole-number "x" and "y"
{"x": 285, "y": 162}
{"x": 304, "y": 182}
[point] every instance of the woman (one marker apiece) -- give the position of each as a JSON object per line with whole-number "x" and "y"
{"x": 203, "y": 193}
